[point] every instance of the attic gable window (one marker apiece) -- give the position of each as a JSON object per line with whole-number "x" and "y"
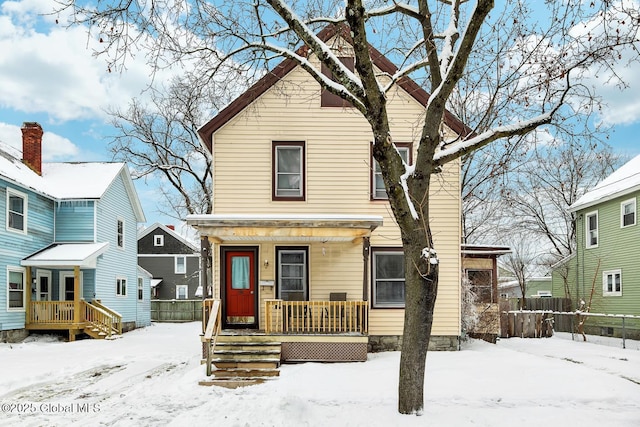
{"x": 16, "y": 211}
{"x": 328, "y": 99}
{"x": 378, "y": 192}
{"x": 120, "y": 233}
{"x": 158, "y": 240}
{"x": 288, "y": 171}
{"x": 628, "y": 213}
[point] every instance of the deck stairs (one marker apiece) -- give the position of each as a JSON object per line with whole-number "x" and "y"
{"x": 242, "y": 359}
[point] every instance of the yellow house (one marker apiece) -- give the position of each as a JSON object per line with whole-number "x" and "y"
{"x": 305, "y": 248}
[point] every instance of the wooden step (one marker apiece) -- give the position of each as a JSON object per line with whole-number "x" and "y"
{"x": 246, "y": 364}
{"x": 246, "y": 373}
{"x": 232, "y": 383}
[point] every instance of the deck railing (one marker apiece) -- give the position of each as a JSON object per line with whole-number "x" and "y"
{"x": 211, "y": 311}
{"x": 54, "y": 312}
{"x": 62, "y": 313}
{"x": 316, "y": 317}
{"x": 116, "y": 318}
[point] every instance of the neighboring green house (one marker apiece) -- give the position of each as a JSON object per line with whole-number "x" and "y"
{"x": 608, "y": 243}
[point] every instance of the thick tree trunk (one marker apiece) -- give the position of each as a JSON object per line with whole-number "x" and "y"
{"x": 421, "y": 287}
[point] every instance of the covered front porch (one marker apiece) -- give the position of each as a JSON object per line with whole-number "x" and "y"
{"x": 300, "y": 280}
{"x": 62, "y": 307}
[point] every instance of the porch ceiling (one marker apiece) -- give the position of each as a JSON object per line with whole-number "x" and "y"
{"x": 66, "y": 255}
{"x": 290, "y": 228}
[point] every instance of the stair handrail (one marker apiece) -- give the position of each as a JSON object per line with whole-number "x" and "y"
{"x": 106, "y": 327}
{"x": 117, "y": 317}
{"x": 212, "y": 331}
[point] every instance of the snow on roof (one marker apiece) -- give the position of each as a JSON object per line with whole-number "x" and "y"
{"x": 67, "y": 254}
{"x": 623, "y": 181}
{"x": 183, "y": 238}
{"x": 59, "y": 180}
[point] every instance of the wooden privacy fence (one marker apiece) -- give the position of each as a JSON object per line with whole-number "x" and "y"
{"x": 527, "y": 324}
{"x": 176, "y": 310}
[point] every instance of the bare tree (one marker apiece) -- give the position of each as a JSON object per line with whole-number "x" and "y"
{"x": 535, "y": 66}
{"x": 540, "y": 192}
{"x": 159, "y": 139}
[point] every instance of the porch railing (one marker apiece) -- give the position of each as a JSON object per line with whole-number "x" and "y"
{"x": 211, "y": 311}
{"x": 62, "y": 313}
{"x": 330, "y": 317}
{"x": 54, "y": 312}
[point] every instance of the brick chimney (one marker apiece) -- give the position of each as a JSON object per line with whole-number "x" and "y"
{"x": 32, "y": 146}
{"x": 171, "y": 227}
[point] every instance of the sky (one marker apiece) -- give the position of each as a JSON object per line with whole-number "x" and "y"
{"x": 49, "y": 75}
{"x": 150, "y": 377}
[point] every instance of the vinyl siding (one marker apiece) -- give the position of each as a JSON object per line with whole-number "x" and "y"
{"x": 143, "y": 308}
{"x": 15, "y": 246}
{"x": 337, "y": 144}
{"x": 618, "y": 249}
{"x": 75, "y": 221}
{"x": 163, "y": 267}
{"x": 117, "y": 262}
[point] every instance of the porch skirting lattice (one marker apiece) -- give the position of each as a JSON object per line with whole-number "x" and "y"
{"x": 324, "y": 351}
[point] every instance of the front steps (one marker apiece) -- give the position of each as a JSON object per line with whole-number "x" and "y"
{"x": 244, "y": 359}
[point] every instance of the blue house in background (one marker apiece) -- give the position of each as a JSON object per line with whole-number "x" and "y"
{"x": 68, "y": 245}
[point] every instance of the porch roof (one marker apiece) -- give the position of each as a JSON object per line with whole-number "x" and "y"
{"x": 63, "y": 255}
{"x": 279, "y": 227}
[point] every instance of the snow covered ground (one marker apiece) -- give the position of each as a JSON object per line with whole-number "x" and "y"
{"x": 149, "y": 377}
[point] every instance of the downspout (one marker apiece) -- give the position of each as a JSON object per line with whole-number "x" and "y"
{"x": 366, "y": 245}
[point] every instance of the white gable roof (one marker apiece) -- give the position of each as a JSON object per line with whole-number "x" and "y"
{"x": 169, "y": 231}
{"x": 64, "y": 181}
{"x": 623, "y": 181}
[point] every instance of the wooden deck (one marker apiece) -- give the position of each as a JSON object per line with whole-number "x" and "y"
{"x": 94, "y": 319}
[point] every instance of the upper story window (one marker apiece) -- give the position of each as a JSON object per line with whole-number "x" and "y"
{"x": 288, "y": 180}
{"x": 591, "y": 225}
{"x": 612, "y": 283}
{"x": 181, "y": 265}
{"x": 388, "y": 278}
{"x": 328, "y": 99}
{"x": 378, "y": 192}
{"x": 16, "y": 211}
{"x": 628, "y": 213}
{"x": 120, "y": 233}
{"x": 158, "y": 240}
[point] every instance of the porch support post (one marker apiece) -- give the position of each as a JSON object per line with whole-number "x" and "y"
{"x": 29, "y": 281}
{"x": 366, "y": 245}
{"x": 205, "y": 254}
{"x": 76, "y": 294}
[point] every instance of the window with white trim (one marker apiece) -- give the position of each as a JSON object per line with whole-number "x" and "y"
{"x": 182, "y": 291}
{"x": 140, "y": 288}
{"x": 288, "y": 180}
{"x": 378, "y": 192}
{"x": 591, "y": 225}
{"x": 612, "y": 283}
{"x": 158, "y": 240}
{"x": 120, "y": 233}
{"x": 16, "y": 298}
{"x": 628, "y": 213}
{"x": 180, "y": 264}
{"x": 16, "y": 211}
{"x": 388, "y": 278}
{"x": 121, "y": 286}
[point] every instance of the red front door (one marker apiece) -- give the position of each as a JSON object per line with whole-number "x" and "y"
{"x": 240, "y": 287}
